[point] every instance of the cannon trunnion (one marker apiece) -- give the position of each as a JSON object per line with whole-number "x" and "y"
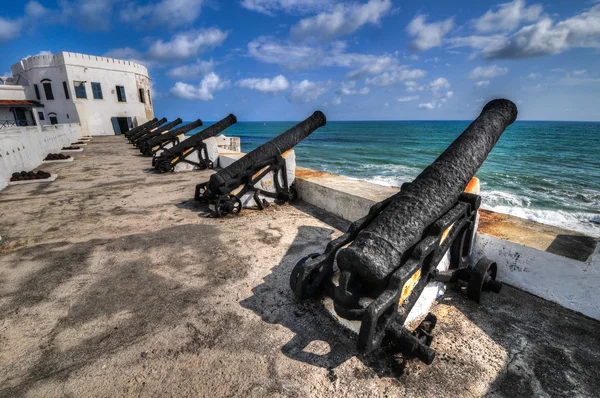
{"x": 226, "y": 188}
{"x": 169, "y": 158}
{"x": 377, "y": 270}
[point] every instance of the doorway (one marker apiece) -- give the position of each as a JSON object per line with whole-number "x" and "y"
{"x": 121, "y": 125}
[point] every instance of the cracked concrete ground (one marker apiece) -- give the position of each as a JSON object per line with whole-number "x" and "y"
{"x": 113, "y": 283}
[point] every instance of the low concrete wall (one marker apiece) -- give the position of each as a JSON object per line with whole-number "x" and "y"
{"x": 556, "y": 264}
{"x": 24, "y": 148}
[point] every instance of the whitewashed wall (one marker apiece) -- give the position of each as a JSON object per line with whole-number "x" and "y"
{"x": 24, "y": 148}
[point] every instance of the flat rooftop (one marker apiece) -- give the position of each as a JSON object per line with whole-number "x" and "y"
{"x": 113, "y": 282}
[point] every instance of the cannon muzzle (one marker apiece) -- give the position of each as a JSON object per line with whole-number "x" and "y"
{"x": 145, "y": 130}
{"x": 379, "y": 249}
{"x": 139, "y": 128}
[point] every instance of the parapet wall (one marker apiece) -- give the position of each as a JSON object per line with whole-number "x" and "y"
{"x": 77, "y": 59}
{"x": 24, "y": 148}
{"x": 553, "y": 263}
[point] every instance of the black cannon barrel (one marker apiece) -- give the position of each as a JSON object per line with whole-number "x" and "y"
{"x": 143, "y": 131}
{"x": 378, "y": 250}
{"x": 160, "y": 130}
{"x": 208, "y": 132}
{"x": 268, "y": 150}
{"x": 173, "y": 133}
{"x": 140, "y": 127}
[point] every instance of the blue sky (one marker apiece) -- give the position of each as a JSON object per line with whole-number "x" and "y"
{"x": 355, "y": 60}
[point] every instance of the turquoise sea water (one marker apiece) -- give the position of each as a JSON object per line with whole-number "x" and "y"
{"x": 544, "y": 171}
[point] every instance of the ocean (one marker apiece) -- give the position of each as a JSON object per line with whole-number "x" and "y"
{"x": 543, "y": 171}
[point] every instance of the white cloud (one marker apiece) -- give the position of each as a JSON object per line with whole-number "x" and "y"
{"x": 300, "y": 56}
{"x": 9, "y": 28}
{"x": 396, "y": 76}
{"x": 349, "y": 88}
{"x": 341, "y": 20}
{"x": 533, "y": 75}
{"x": 579, "y": 72}
{"x": 266, "y": 85}
{"x": 270, "y": 7}
{"x": 426, "y": 35}
{"x": 204, "y": 91}
{"x": 165, "y": 12}
{"x": 408, "y": 99}
{"x": 439, "y": 84}
{"x": 547, "y": 38}
{"x": 34, "y": 9}
{"x": 475, "y": 41}
{"x": 429, "y": 105}
{"x": 487, "y": 72}
{"x": 482, "y": 83}
{"x": 374, "y": 66}
{"x": 307, "y": 91}
{"x": 88, "y": 14}
{"x": 199, "y": 68}
{"x": 188, "y": 44}
{"x": 508, "y": 16}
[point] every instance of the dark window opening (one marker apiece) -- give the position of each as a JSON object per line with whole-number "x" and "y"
{"x": 141, "y": 92}
{"x": 67, "y": 115}
{"x": 37, "y": 91}
{"x": 41, "y": 115}
{"x": 48, "y": 91}
{"x": 97, "y": 91}
{"x": 149, "y": 99}
{"x": 52, "y": 117}
{"x": 121, "y": 94}
{"x": 66, "y": 90}
{"x": 80, "y": 90}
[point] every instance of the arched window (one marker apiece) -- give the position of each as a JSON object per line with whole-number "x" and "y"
{"x": 47, "y": 88}
{"x": 53, "y": 118}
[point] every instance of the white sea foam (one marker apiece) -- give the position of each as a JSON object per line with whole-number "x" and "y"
{"x": 520, "y": 206}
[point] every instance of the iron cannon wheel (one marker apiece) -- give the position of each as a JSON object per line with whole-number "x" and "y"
{"x": 483, "y": 277}
{"x": 296, "y": 272}
{"x": 201, "y": 193}
{"x": 165, "y": 167}
{"x": 228, "y": 204}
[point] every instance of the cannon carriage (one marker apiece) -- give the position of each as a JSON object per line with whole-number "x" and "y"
{"x": 194, "y": 150}
{"x": 374, "y": 274}
{"x": 245, "y": 180}
{"x": 168, "y": 139}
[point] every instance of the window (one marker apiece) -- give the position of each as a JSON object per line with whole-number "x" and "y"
{"x": 48, "y": 91}
{"x": 141, "y": 92}
{"x": 37, "y": 91}
{"x": 53, "y": 119}
{"x": 80, "y": 90}
{"x": 97, "y": 91}
{"x": 149, "y": 99}
{"x": 41, "y": 115}
{"x": 66, "y": 90}
{"x": 121, "y": 94}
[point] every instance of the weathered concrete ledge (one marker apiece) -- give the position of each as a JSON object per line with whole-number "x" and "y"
{"x": 24, "y": 148}
{"x": 553, "y": 263}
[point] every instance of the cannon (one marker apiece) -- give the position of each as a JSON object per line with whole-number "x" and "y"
{"x": 150, "y": 127}
{"x": 173, "y": 137}
{"x": 372, "y": 276}
{"x": 134, "y": 130}
{"x": 159, "y": 131}
{"x": 154, "y": 131}
{"x": 185, "y": 151}
{"x": 241, "y": 180}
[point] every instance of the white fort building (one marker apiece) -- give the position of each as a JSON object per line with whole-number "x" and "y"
{"x": 105, "y": 96}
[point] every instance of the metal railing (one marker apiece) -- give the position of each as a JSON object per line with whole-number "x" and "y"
{"x": 15, "y": 123}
